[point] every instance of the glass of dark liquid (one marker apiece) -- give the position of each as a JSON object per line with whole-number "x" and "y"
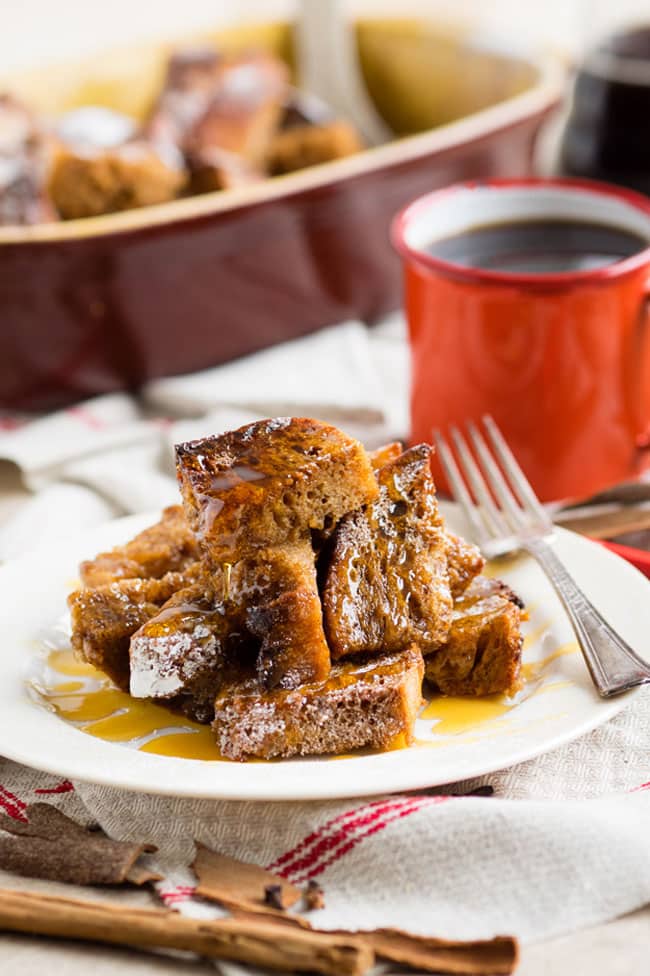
{"x": 608, "y": 132}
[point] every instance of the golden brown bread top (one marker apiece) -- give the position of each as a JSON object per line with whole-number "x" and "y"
{"x": 386, "y": 584}
{"x": 269, "y": 483}
{"x": 168, "y": 546}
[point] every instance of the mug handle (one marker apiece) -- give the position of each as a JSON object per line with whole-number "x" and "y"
{"x": 642, "y": 380}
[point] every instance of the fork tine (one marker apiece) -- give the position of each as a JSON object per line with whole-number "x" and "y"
{"x": 458, "y": 489}
{"x": 491, "y": 514}
{"x": 517, "y": 477}
{"x": 497, "y": 482}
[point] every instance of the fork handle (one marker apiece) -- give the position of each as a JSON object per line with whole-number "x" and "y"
{"x": 614, "y": 666}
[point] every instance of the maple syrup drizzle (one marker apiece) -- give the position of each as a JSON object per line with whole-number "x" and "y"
{"x": 96, "y": 707}
{"x": 227, "y": 570}
{"x": 457, "y": 715}
{"x": 84, "y": 696}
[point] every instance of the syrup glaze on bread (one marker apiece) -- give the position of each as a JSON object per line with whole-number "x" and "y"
{"x": 291, "y": 600}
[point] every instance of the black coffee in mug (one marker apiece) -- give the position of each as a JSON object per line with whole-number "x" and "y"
{"x": 538, "y": 246}
{"x": 607, "y": 135}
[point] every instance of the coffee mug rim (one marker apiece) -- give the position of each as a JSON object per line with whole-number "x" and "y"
{"x": 617, "y": 269}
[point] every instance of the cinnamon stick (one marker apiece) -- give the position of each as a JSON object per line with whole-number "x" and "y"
{"x": 54, "y": 847}
{"x": 497, "y": 957}
{"x": 260, "y": 943}
{"x": 241, "y": 885}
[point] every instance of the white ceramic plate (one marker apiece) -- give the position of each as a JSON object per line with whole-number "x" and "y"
{"x": 558, "y": 703}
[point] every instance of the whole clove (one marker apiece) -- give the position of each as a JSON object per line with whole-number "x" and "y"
{"x": 314, "y": 896}
{"x": 273, "y": 896}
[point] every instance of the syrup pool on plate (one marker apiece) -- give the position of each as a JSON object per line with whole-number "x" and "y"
{"x": 84, "y": 697}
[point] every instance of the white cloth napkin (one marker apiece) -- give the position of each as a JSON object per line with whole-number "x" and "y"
{"x": 563, "y": 843}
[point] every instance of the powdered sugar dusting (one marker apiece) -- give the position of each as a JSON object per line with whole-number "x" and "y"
{"x": 162, "y": 666}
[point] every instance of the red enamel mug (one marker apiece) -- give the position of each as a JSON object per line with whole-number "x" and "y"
{"x": 561, "y": 361}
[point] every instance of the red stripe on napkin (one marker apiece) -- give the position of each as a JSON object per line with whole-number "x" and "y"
{"x": 332, "y": 833}
{"x": 14, "y": 807}
{"x": 179, "y": 894}
{"x": 65, "y": 786}
{"x": 343, "y": 833}
{"x": 316, "y": 834}
{"x": 405, "y": 810}
{"x": 87, "y": 418}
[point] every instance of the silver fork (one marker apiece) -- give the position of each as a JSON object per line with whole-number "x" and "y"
{"x": 508, "y": 517}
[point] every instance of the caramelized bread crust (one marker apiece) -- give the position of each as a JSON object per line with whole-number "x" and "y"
{"x": 184, "y": 653}
{"x": 166, "y": 547}
{"x": 361, "y": 704}
{"x": 104, "y": 617}
{"x": 385, "y": 454}
{"x": 483, "y": 653}
{"x": 308, "y": 145}
{"x": 386, "y": 584}
{"x": 464, "y": 562}
{"x": 244, "y": 108}
{"x": 284, "y": 615}
{"x": 255, "y": 497}
{"x": 210, "y": 101}
{"x": 264, "y": 612}
{"x": 270, "y": 483}
{"x": 87, "y": 183}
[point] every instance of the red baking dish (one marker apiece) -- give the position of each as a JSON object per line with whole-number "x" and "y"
{"x": 90, "y": 306}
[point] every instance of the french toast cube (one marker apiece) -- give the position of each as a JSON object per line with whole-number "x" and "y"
{"x": 284, "y": 614}
{"x": 307, "y": 145}
{"x": 182, "y": 654}
{"x": 464, "y": 562}
{"x": 244, "y": 108}
{"x": 88, "y": 182}
{"x": 104, "y": 617}
{"x": 369, "y": 704}
{"x": 482, "y": 655}
{"x": 269, "y": 483}
{"x": 386, "y": 584}
{"x": 168, "y": 546}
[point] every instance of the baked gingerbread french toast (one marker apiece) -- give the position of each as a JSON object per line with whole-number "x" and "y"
{"x": 369, "y": 703}
{"x": 298, "y": 597}
{"x": 169, "y": 546}
{"x": 386, "y": 584}
{"x": 482, "y": 655}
